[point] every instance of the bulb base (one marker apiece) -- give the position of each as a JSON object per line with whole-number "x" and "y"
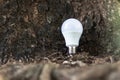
{"x": 72, "y": 49}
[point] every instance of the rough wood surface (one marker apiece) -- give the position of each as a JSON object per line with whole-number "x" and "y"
{"x": 51, "y": 71}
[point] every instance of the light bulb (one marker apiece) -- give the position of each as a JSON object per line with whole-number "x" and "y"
{"x": 72, "y": 30}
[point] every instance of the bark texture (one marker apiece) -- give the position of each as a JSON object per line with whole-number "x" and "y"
{"x": 30, "y": 28}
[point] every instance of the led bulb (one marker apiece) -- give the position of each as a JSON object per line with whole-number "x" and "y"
{"x": 72, "y": 30}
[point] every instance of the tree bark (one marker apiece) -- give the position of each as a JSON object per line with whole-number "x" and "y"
{"x": 30, "y": 28}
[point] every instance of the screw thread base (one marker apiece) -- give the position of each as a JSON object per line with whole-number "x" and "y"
{"x": 72, "y": 50}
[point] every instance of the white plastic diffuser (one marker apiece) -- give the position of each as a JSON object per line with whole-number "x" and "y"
{"x": 72, "y": 30}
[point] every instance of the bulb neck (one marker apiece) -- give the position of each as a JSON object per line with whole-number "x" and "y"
{"x": 72, "y": 49}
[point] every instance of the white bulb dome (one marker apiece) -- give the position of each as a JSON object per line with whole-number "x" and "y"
{"x": 72, "y": 30}
{"x": 72, "y": 25}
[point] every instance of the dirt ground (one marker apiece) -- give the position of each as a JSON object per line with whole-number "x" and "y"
{"x": 78, "y": 67}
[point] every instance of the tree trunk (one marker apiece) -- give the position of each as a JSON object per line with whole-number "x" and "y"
{"x": 29, "y": 28}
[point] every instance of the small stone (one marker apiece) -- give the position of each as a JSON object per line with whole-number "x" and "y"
{"x": 66, "y": 62}
{"x": 73, "y": 63}
{"x": 78, "y": 63}
{"x": 20, "y": 61}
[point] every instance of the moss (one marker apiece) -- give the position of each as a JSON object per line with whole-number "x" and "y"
{"x": 114, "y": 23}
